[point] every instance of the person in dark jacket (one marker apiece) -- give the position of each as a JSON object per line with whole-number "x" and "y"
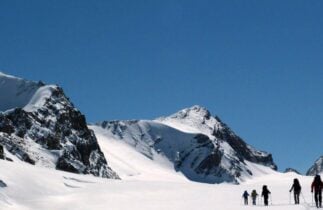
{"x": 254, "y": 196}
{"x": 245, "y": 196}
{"x": 1, "y": 152}
{"x": 265, "y": 193}
{"x": 317, "y": 187}
{"x": 296, "y": 187}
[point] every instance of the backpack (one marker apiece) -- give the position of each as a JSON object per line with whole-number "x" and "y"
{"x": 297, "y": 187}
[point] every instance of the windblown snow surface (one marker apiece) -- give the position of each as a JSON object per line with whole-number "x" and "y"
{"x": 16, "y": 92}
{"x": 146, "y": 184}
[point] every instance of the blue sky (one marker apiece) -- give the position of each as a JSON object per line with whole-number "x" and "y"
{"x": 256, "y": 64}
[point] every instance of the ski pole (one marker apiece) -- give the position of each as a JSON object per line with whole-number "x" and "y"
{"x": 271, "y": 200}
{"x": 290, "y": 198}
{"x": 260, "y": 203}
{"x": 312, "y": 199}
{"x": 304, "y": 198}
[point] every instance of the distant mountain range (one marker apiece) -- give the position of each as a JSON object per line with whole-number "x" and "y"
{"x": 287, "y": 170}
{"x": 41, "y": 126}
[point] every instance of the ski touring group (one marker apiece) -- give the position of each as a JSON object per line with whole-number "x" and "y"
{"x": 316, "y": 189}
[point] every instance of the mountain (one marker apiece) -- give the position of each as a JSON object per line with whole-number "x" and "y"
{"x": 317, "y": 168}
{"x": 287, "y": 170}
{"x": 39, "y": 125}
{"x": 192, "y": 142}
{"x": 200, "y": 119}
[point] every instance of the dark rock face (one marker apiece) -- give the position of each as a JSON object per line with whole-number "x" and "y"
{"x": 6, "y": 125}
{"x": 206, "y": 165}
{"x": 15, "y": 146}
{"x": 2, "y": 183}
{"x": 59, "y": 128}
{"x": 243, "y": 150}
{"x": 317, "y": 167}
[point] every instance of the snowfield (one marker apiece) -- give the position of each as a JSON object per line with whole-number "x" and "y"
{"x": 131, "y": 164}
{"x": 146, "y": 184}
{"x": 32, "y": 187}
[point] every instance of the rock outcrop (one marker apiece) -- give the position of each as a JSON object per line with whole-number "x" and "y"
{"x": 316, "y": 168}
{"x": 50, "y": 131}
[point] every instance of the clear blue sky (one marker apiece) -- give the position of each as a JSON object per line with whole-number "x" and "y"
{"x": 256, "y": 64}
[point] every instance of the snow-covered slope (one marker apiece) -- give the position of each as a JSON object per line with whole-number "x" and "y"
{"x": 48, "y": 130}
{"x": 317, "y": 167}
{"x": 205, "y": 151}
{"x": 130, "y": 164}
{"x": 35, "y": 188}
{"x": 198, "y": 119}
{"x": 16, "y": 92}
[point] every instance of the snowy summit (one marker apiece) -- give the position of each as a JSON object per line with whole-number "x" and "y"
{"x": 192, "y": 142}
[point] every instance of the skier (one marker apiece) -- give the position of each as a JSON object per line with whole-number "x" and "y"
{"x": 1, "y": 152}
{"x": 297, "y": 190}
{"x": 265, "y": 193}
{"x": 317, "y": 186}
{"x": 245, "y": 195}
{"x": 254, "y": 196}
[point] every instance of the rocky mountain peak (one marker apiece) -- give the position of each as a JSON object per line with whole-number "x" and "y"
{"x": 317, "y": 168}
{"x": 195, "y": 112}
{"x": 199, "y": 145}
{"x": 195, "y": 119}
{"x": 287, "y": 170}
{"x": 198, "y": 119}
{"x": 45, "y": 129}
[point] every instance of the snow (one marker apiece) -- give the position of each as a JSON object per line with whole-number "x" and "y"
{"x": 130, "y": 164}
{"x": 15, "y": 92}
{"x": 32, "y": 188}
{"x": 20, "y": 93}
{"x": 39, "y": 98}
{"x": 192, "y": 120}
{"x": 149, "y": 180}
{"x": 146, "y": 183}
{"x": 175, "y": 137}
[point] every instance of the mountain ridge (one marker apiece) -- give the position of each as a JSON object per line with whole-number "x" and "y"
{"x": 46, "y": 129}
{"x": 198, "y": 145}
{"x": 214, "y": 127}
